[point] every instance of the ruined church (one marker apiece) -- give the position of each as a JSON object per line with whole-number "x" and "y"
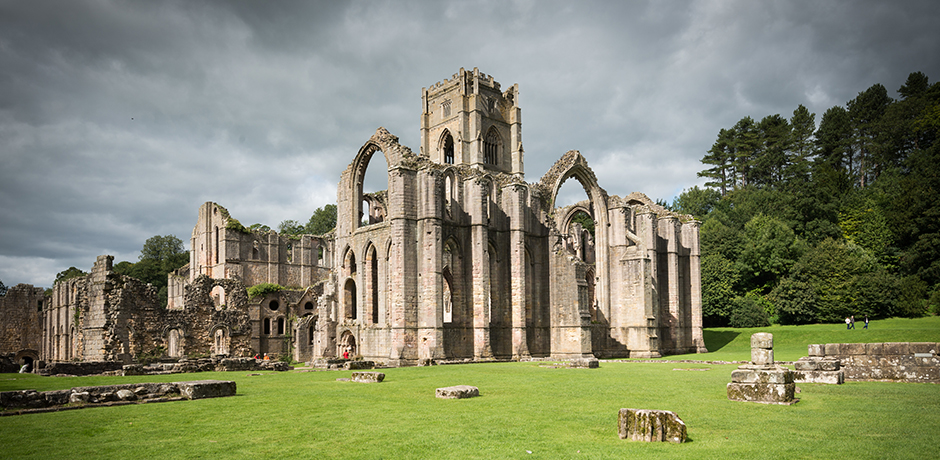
{"x": 459, "y": 260}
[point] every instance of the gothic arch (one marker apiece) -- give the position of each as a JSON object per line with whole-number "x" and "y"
{"x": 492, "y": 147}
{"x": 371, "y": 283}
{"x": 352, "y": 181}
{"x": 573, "y": 165}
{"x": 445, "y": 145}
{"x": 571, "y": 212}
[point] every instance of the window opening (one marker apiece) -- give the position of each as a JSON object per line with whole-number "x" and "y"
{"x": 490, "y": 147}
{"x": 448, "y": 148}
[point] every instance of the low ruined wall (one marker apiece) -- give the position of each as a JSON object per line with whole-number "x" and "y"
{"x": 182, "y": 366}
{"x": 81, "y": 368}
{"x": 14, "y": 402}
{"x": 897, "y": 361}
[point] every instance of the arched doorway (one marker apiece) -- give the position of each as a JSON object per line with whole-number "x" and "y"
{"x": 347, "y": 345}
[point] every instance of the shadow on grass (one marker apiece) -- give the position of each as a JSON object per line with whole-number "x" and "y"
{"x": 716, "y": 340}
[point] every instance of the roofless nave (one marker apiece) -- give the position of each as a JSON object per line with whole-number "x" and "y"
{"x": 460, "y": 259}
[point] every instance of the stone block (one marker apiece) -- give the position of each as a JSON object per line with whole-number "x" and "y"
{"x": 829, "y": 364}
{"x": 774, "y": 376}
{"x": 651, "y": 426}
{"x": 924, "y": 347}
{"x": 804, "y": 364}
{"x": 762, "y": 392}
{"x": 832, "y": 349}
{"x": 354, "y": 365}
{"x": 126, "y": 395}
{"x": 875, "y": 348}
{"x": 853, "y": 349}
{"x": 816, "y": 350}
{"x": 762, "y": 340}
{"x": 762, "y": 356}
{"x": 584, "y": 363}
{"x": 58, "y": 397}
{"x": 201, "y": 389}
{"x": 828, "y": 377}
{"x": 896, "y": 348}
{"x": 368, "y": 377}
{"x": 79, "y": 397}
{"x": 457, "y": 392}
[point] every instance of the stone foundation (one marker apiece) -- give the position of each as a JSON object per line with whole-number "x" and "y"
{"x": 815, "y": 369}
{"x": 892, "y": 361}
{"x": 26, "y": 401}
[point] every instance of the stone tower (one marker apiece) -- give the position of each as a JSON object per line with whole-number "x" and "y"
{"x": 467, "y": 120}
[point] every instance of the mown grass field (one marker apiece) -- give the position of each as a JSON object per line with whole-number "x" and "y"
{"x": 523, "y": 408}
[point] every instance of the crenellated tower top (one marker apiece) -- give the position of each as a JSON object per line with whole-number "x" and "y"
{"x": 467, "y": 120}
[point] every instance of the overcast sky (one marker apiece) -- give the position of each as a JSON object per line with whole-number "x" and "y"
{"x": 119, "y": 119}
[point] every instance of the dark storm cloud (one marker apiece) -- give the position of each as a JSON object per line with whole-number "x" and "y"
{"x": 118, "y": 119}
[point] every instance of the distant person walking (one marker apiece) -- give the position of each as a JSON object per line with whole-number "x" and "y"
{"x": 848, "y": 323}
{"x": 866, "y": 322}
{"x": 853, "y": 321}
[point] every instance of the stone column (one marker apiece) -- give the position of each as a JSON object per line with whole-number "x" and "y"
{"x": 695, "y": 285}
{"x": 402, "y": 286}
{"x": 430, "y": 267}
{"x": 516, "y": 199}
{"x": 479, "y": 250}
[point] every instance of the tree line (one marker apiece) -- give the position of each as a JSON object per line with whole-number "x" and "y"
{"x": 803, "y": 224}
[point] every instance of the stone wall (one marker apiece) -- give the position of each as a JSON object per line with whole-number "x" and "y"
{"x": 895, "y": 361}
{"x": 21, "y": 323}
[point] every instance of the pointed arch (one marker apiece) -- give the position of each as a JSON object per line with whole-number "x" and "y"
{"x": 573, "y": 165}
{"x": 371, "y": 286}
{"x": 492, "y": 146}
{"x": 445, "y": 145}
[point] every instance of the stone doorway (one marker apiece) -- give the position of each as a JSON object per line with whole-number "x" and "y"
{"x": 347, "y": 344}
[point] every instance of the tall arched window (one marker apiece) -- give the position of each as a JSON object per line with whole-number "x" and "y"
{"x": 491, "y": 147}
{"x": 447, "y": 145}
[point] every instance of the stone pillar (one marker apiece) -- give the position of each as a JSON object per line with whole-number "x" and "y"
{"x": 479, "y": 251}
{"x": 762, "y": 381}
{"x": 516, "y": 200}
{"x": 402, "y": 286}
{"x": 695, "y": 285}
{"x": 430, "y": 267}
{"x": 674, "y": 333}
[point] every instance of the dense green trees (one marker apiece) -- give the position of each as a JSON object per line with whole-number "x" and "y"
{"x": 322, "y": 221}
{"x": 812, "y": 226}
{"x": 159, "y": 256}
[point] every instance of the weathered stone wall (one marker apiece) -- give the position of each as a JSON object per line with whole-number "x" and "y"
{"x": 21, "y": 322}
{"x": 896, "y": 361}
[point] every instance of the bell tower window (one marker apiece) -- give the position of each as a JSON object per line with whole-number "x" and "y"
{"x": 448, "y": 147}
{"x": 491, "y": 147}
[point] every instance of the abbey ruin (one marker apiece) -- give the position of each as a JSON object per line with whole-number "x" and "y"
{"x": 459, "y": 260}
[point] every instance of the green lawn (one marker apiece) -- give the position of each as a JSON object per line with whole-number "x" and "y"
{"x": 523, "y": 407}
{"x": 790, "y": 342}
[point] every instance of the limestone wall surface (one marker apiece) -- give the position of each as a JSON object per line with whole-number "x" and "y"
{"x": 895, "y": 361}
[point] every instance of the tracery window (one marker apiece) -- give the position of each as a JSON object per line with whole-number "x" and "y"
{"x": 490, "y": 147}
